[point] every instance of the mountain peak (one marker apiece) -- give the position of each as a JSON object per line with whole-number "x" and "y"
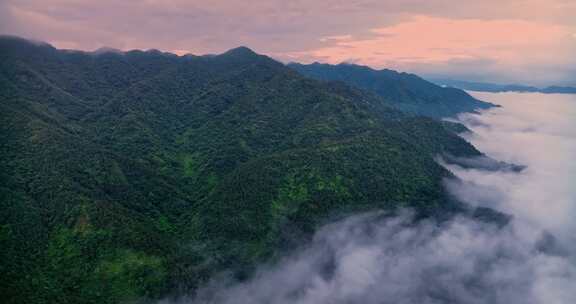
{"x": 240, "y": 51}
{"x": 244, "y": 55}
{"x": 21, "y": 47}
{"x": 5, "y": 39}
{"x": 105, "y": 50}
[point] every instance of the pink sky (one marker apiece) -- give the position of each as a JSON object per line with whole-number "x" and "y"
{"x": 530, "y": 41}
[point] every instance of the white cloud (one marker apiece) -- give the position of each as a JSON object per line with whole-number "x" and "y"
{"x": 538, "y": 131}
{"x": 375, "y": 259}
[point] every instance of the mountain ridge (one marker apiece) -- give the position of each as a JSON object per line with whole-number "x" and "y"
{"x": 404, "y": 91}
{"x": 127, "y": 177}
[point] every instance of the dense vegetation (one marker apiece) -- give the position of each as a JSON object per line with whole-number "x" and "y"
{"x": 404, "y": 91}
{"x": 125, "y": 176}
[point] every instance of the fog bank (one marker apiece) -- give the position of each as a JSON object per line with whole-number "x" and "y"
{"x": 374, "y": 259}
{"x": 539, "y": 132}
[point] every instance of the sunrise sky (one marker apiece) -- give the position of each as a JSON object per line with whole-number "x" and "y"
{"x": 523, "y": 41}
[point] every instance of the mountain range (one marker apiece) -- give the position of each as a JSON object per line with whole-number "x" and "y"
{"x": 126, "y": 176}
{"x": 495, "y": 88}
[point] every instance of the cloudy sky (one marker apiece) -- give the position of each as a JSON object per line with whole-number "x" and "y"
{"x": 528, "y": 41}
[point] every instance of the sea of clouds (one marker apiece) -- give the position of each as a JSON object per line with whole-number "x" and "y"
{"x": 376, "y": 258}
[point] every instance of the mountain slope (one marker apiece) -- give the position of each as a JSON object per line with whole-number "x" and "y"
{"x": 129, "y": 175}
{"x": 406, "y": 92}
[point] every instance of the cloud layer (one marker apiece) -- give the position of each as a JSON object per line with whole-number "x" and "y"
{"x": 378, "y": 260}
{"x": 536, "y": 130}
{"x": 491, "y": 39}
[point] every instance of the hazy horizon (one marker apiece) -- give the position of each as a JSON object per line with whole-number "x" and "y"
{"x": 429, "y": 77}
{"x": 524, "y": 41}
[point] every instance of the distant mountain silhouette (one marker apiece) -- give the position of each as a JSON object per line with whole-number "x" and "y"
{"x": 493, "y": 87}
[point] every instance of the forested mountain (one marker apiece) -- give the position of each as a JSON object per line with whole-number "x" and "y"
{"x": 127, "y": 176}
{"x": 404, "y": 91}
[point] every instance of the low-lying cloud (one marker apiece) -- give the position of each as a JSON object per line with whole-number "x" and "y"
{"x": 539, "y": 132}
{"x": 378, "y": 258}
{"x": 372, "y": 258}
